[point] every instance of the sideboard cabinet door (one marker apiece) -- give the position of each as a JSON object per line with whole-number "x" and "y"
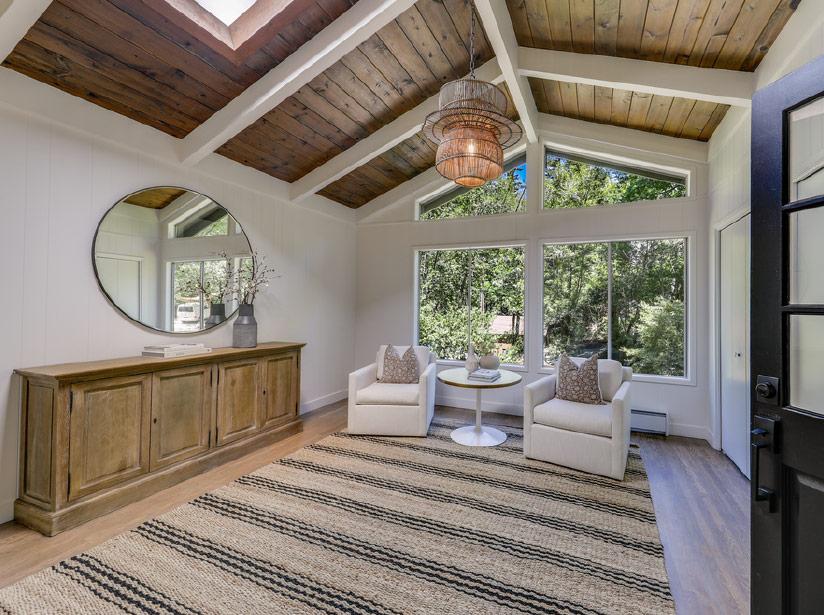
{"x": 238, "y": 393}
{"x": 280, "y": 388}
{"x": 181, "y": 414}
{"x": 109, "y": 433}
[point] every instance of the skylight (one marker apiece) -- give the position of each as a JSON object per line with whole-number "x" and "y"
{"x": 226, "y": 11}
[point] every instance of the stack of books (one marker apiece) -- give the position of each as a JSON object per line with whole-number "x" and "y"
{"x": 166, "y": 351}
{"x": 485, "y": 375}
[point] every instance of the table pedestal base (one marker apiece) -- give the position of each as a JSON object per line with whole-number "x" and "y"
{"x": 478, "y": 436}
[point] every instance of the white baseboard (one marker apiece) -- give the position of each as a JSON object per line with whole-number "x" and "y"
{"x": 469, "y": 404}
{"x": 690, "y": 431}
{"x": 6, "y": 511}
{"x": 322, "y": 401}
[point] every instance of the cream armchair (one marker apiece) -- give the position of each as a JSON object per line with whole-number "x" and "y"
{"x": 585, "y": 437}
{"x": 383, "y": 409}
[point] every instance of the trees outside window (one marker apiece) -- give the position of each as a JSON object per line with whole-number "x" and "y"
{"x": 497, "y": 301}
{"x": 504, "y": 195}
{"x": 576, "y": 182}
{"x": 624, "y": 300}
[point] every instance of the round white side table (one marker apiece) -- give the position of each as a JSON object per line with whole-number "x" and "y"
{"x": 477, "y": 434}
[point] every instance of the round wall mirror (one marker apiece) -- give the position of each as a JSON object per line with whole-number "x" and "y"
{"x": 171, "y": 259}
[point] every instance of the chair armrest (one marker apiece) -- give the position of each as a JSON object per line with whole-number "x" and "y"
{"x": 621, "y": 410}
{"x": 427, "y": 378}
{"x": 362, "y": 378}
{"x": 536, "y": 393}
{"x": 426, "y": 394}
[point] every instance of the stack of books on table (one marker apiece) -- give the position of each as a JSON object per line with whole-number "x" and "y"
{"x": 166, "y": 351}
{"x": 484, "y": 375}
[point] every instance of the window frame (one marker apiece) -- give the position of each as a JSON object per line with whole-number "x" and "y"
{"x": 515, "y": 159}
{"x": 523, "y": 245}
{"x": 620, "y": 163}
{"x": 689, "y": 377}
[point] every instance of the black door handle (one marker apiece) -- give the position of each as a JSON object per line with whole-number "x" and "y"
{"x": 761, "y": 437}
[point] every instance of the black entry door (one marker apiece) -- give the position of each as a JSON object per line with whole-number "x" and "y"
{"x": 787, "y": 335}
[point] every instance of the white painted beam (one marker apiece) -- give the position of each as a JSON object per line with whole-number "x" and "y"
{"x": 16, "y": 18}
{"x": 498, "y": 25}
{"x": 319, "y": 53}
{"x": 383, "y": 139}
{"x": 728, "y": 87}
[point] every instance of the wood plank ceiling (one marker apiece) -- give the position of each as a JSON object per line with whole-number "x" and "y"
{"x": 396, "y": 69}
{"x": 727, "y": 34}
{"x": 129, "y": 57}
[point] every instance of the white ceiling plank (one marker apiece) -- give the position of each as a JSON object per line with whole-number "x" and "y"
{"x": 728, "y": 87}
{"x": 498, "y": 25}
{"x": 382, "y": 140}
{"x": 16, "y": 18}
{"x": 319, "y": 53}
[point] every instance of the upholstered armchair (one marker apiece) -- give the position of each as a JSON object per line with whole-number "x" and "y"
{"x": 587, "y": 437}
{"x": 383, "y": 409}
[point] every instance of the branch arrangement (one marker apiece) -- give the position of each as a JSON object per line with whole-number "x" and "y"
{"x": 250, "y": 281}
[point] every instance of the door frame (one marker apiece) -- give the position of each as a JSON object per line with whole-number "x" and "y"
{"x": 715, "y": 321}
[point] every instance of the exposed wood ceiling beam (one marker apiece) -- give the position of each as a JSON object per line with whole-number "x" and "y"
{"x": 498, "y": 25}
{"x": 382, "y": 140}
{"x": 16, "y": 18}
{"x": 728, "y": 87}
{"x": 338, "y": 38}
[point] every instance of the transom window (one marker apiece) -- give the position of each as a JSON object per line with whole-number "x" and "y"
{"x": 504, "y": 195}
{"x": 624, "y": 300}
{"x": 497, "y": 301}
{"x": 576, "y": 182}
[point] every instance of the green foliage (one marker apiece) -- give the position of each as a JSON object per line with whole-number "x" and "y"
{"x": 497, "y": 289}
{"x": 575, "y": 300}
{"x": 504, "y": 195}
{"x": 572, "y": 184}
{"x": 647, "y": 303}
{"x": 660, "y": 325}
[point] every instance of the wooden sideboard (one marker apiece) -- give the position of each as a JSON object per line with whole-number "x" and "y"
{"x": 97, "y": 436}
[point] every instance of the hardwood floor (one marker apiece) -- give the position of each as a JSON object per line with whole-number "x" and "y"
{"x": 701, "y": 501}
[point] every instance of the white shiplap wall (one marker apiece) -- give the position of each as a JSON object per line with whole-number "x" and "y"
{"x": 56, "y": 184}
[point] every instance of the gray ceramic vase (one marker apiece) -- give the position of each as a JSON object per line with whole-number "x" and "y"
{"x": 217, "y": 314}
{"x": 490, "y": 361}
{"x": 244, "y": 334}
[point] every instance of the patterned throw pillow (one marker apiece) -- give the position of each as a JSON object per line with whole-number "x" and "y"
{"x": 400, "y": 370}
{"x": 578, "y": 383}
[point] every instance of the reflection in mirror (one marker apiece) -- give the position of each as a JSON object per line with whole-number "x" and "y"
{"x": 170, "y": 259}
{"x": 807, "y": 151}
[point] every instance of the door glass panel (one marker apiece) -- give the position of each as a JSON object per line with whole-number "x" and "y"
{"x": 806, "y": 256}
{"x": 807, "y": 151}
{"x": 807, "y": 362}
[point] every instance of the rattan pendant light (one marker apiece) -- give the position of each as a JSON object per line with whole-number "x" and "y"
{"x": 470, "y": 127}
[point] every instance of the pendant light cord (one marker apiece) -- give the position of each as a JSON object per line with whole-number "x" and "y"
{"x": 471, "y": 39}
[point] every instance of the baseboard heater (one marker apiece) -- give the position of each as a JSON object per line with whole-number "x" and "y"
{"x": 649, "y": 421}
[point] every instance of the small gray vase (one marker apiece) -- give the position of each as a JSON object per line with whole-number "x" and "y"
{"x": 217, "y": 314}
{"x": 244, "y": 334}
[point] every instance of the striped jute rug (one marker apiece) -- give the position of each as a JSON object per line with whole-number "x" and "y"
{"x": 359, "y": 524}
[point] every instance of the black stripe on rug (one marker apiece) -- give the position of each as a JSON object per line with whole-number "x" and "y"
{"x": 501, "y": 544}
{"x": 545, "y": 469}
{"x": 549, "y": 494}
{"x": 125, "y": 586}
{"x": 446, "y": 575}
{"x": 434, "y": 495}
{"x": 264, "y": 574}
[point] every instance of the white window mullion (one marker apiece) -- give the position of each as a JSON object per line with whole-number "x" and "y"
{"x": 609, "y": 300}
